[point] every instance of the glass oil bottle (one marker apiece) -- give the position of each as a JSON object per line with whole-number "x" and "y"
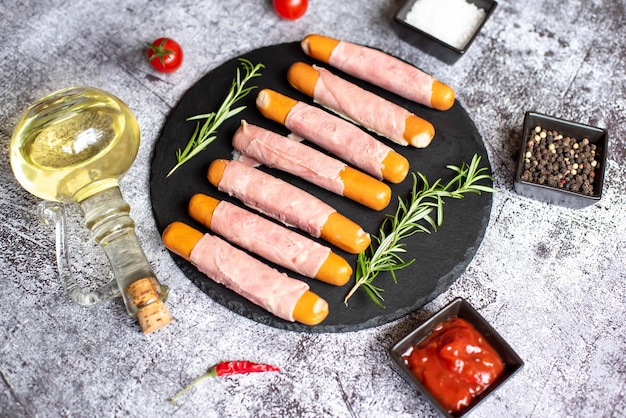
{"x": 73, "y": 146}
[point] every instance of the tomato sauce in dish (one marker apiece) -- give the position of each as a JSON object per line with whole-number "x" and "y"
{"x": 455, "y": 363}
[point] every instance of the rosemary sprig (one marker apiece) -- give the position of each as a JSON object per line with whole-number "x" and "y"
{"x": 412, "y": 216}
{"x": 203, "y": 136}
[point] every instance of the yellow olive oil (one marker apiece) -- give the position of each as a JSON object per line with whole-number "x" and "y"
{"x": 73, "y": 143}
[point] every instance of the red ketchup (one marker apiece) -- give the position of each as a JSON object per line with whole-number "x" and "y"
{"x": 455, "y": 363}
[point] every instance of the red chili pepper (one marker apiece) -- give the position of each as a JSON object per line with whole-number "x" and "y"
{"x": 228, "y": 368}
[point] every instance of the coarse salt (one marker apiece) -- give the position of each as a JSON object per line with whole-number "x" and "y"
{"x": 451, "y": 21}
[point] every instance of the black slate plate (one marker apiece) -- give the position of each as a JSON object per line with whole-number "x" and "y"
{"x": 441, "y": 256}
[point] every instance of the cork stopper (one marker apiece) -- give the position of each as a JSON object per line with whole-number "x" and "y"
{"x": 152, "y": 313}
{"x": 153, "y": 317}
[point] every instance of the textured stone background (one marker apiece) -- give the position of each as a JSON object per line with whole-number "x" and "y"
{"x": 549, "y": 279}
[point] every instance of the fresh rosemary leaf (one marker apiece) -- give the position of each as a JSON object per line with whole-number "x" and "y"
{"x": 205, "y": 134}
{"x": 421, "y": 212}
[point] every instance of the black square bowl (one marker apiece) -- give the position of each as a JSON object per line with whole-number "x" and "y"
{"x": 549, "y": 192}
{"x": 462, "y": 309}
{"x": 430, "y": 43}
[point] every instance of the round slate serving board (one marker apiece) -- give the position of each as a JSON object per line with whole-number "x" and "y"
{"x": 441, "y": 256}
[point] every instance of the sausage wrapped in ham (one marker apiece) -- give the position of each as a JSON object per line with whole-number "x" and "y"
{"x": 277, "y": 151}
{"x": 380, "y": 69}
{"x": 361, "y": 106}
{"x": 334, "y": 134}
{"x": 279, "y": 294}
{"x": 288, "y": 204}
{"x": 270, "y": 240}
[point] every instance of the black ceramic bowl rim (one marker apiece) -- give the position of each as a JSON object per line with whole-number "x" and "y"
{"x": 459, "y": 307}
{"x": 551, "y": 121}
{"x": 459, "y": 51}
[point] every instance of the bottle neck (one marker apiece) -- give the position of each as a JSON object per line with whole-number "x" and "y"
{"x": 96, "y": 187}
{"x": 107, "y": 216}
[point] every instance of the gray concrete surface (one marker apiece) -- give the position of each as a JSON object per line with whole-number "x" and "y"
{"x": 549, "y": 279}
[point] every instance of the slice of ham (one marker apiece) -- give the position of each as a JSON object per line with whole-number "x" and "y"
{"x": 269, "y": 240}
{"x": 277, "y": 151}
{"x": 275, "y": 198}
{"x": 245, "y": 275}
{"x": 339, "y": 137}
{"x": 383, "y": 70}
{"x": 360, "y": 105}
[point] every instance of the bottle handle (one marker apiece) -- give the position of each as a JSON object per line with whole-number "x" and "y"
{"x": 53, "y": 213}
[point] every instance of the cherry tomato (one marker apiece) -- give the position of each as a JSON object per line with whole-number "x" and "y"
{"x": 290, "y": 9}
{"x": 165, "y": 55}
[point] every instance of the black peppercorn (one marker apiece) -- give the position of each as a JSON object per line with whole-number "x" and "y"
{"x": 560, "y": 161}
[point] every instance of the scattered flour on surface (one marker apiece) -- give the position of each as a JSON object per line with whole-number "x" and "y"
{"x": 452, "y": 21}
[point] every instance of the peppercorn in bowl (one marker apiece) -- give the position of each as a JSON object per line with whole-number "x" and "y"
{"x": 561, "y": 162}
{"x": 444, "y": 29}
{"x": 455, "y": 359}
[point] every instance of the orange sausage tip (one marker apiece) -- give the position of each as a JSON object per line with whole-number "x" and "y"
{"x": 180, "y": 238}
{"x": 263, "y": 99}
{"x": 318, "y": 47}
{"x": 395, "y": 167}
{"x": 216, "y": 170}
{"x": 201, "y": 208}
{"x": 274, "y": 106}
{"x": 365, "y": 189}
{"x": 418, "y": 132}
{"x": 345, "y": 234}
{"x": 442, "y": 96}
{"x": 335, "y": 270}
{"x": 303, "y": 77}
{"x": 310, "y": 309}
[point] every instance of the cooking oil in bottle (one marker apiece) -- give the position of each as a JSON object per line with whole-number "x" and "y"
{"x": 73, "y": 146}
